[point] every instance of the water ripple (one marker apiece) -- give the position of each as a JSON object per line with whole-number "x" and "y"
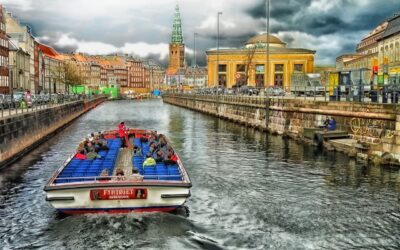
{"x": 250, "y": 191}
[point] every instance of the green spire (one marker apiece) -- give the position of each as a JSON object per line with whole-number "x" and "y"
{"x": 177, "y": 28}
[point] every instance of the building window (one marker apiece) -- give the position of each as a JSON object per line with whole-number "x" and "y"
{"x": 278, "y": 75}
{"x": 240, "y": 75}
{"x": 298, "y": 68}
{"x": 260, "y": 69}
{"x": 222, "y": 75}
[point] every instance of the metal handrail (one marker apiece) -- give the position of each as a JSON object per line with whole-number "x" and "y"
{"x": 13, "y": 107}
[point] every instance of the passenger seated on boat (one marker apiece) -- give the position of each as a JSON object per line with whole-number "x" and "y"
{"x": 153, "y": 148}
{"x": 174, "y": 158}
{"x": 167, "y": 159}
{"x": 102, "y": 140}
{"x": 92, "y": 155}
{"x": 164, "y": 148}
{"x": 81, "y": 155}
{"x": 91, "y": 147}
{"x": 152, "y": 140}
{"x": 144, "y": 138}
{"x": 99, "y": 145}
{"x": 171, "y": 158}
{"x": 91, "y": 137}
{"x": 137, "y": 151}
{"x": 161, "y": 139}
{"x": 104, "y": 175}
{"x": 136, "y": 176}
{"x": 119, "y": 172}
{"x": 159, "y": 156}
{"x": 149, "y": 162}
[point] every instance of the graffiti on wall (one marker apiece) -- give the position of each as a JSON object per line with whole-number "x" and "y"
{"x": 379, "y": 129}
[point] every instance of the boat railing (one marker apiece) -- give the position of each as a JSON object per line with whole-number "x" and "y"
{"x": 117, "y": 178}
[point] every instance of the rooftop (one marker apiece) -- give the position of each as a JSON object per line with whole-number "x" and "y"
{"x": 393, "y": 27}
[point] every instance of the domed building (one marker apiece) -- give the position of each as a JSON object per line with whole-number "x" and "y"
{"x": 246, "y": 65}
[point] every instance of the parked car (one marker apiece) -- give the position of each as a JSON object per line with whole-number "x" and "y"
{"x": 2, "y": 101}
{"x": 248, "y": 90}
{"x": 8, "y": 102}
{"x": 274, "y": 91}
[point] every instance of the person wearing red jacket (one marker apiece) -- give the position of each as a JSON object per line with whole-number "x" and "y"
{"x": 174, "y": 158}
{"x": 81, "y": 155}
{"x": 122, "y": 133}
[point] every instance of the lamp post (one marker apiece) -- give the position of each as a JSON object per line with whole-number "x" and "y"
{"x": 218, "y": 14}
{"x": 268, "y": 59}
{"x": 267, "y": 103}
{"x": 194, "y": 60}
{"x": 194, "y": 50}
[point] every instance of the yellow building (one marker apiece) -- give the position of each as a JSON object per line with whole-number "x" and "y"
{"x": 366, "y": 56}
{"x": 247, "y": 65}
{"x": 389, "y": 52}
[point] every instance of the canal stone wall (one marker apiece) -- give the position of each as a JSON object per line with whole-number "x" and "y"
{"x": 375, "y": 126}
{"x": 21, "y": 133}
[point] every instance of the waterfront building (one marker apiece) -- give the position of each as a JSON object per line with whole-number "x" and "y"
{"x": 366, "y": 55}
{"x": 176, "y": 57}
{"x": 53, "y": 70}
{"x": 196, "y": 77}
{"x": 21, "y": 36}
{"x": 378, "y": 52}
{"x": 120, "y": 71}
{"x": 37, "y": 80}
{"x": 4, "y": 53}
{"x": 19, "y": 68}
{"x": 154, "y": 74}
{"x": 246, "y": 65}
{"x": 136, "y": 72}
{"x": 389, "y": 52}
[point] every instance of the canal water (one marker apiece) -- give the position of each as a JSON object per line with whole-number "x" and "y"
{"x": 250, "y": 191}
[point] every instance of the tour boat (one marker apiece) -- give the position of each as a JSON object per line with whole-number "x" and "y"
{"x": 77, "y": 187}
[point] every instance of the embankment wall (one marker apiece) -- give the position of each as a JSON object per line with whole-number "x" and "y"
{"x": 21, "y": 133}
{"x": 377, "y": 125}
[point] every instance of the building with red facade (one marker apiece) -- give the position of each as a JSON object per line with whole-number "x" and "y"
{"x": 4, "y": 51}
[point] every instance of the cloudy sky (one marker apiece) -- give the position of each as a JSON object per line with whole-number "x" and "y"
{"x": 143, "y": 27}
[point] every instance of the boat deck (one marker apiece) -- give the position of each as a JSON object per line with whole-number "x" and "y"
{"x": 124, "y": 161}
{"x": 160, "y": 171}
{"x": 115, "y": 157}
{"x": 85, "y": 170}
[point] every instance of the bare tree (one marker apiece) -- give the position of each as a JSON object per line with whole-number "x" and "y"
{"x": 250, "y": 51}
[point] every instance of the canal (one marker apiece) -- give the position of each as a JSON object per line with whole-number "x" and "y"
{"x": 250, "y": 191}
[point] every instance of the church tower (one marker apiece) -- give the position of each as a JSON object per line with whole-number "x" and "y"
{"x": 176, "y": 47}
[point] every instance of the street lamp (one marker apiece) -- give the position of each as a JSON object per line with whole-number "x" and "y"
{"x": 267, "y": 67}
{"x": 194, "y": 59}
{"x": 194, "y": 50}
{"x": 218, "y": 14}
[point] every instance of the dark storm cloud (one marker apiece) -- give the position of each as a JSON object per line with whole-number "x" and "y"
{"x": 324, "y": 24}
{"x": 341, "y": 22}
{"x": 295, "y": 15}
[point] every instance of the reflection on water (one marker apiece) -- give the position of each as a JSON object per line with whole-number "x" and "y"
{"x": 250, "y": 191}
